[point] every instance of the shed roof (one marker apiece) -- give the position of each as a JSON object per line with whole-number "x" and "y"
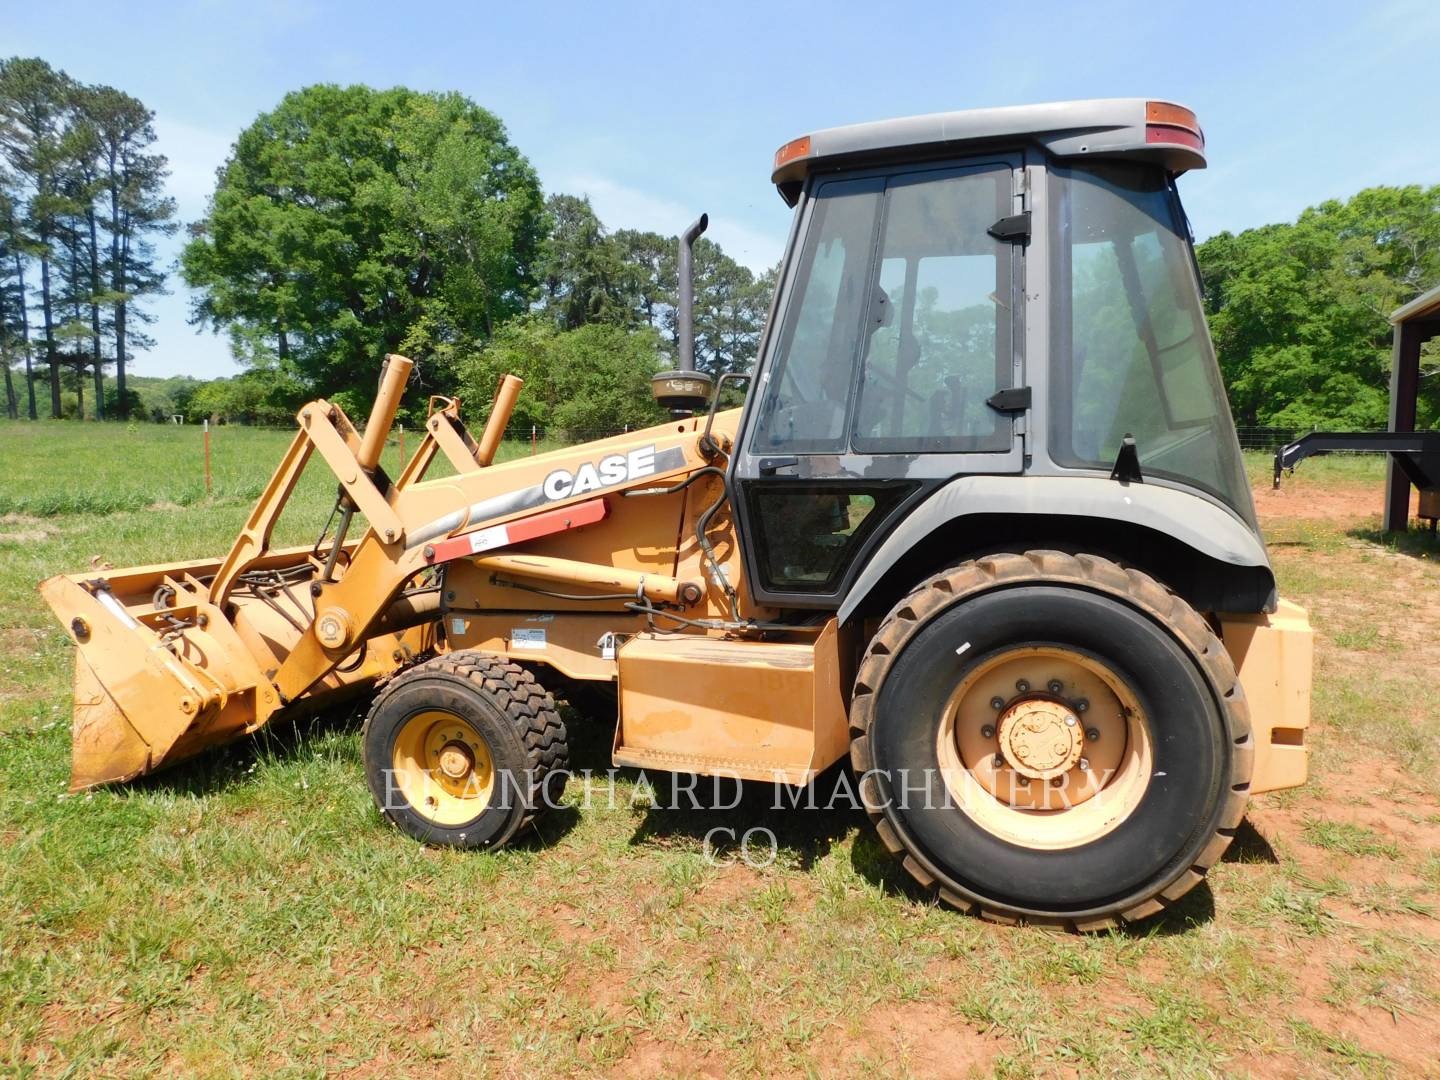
{"x": 1424, "y": 306}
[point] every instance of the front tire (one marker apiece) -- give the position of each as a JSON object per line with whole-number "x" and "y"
{"x": 464, "y": 750}
{"x": 1051, "y": 738}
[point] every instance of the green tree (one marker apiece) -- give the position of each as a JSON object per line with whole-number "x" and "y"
{"x": 350, "y": 222}
{"x": 730, "y": 308}
{"x": 14, "y": 326}
{"x": 582, "y": 270}
{"x": 129, "y": 180}
{"x": 647, "y": 274}
{"x": 593, "y": 378}
{"x": 1299, "y": 312}
{"x": 628, "y": 279}
{"x": 34, "y": 113}
{"x": 257, "y": 396}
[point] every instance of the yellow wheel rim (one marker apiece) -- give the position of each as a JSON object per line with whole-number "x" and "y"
{"x": 443, "y": 767}
{"x": 1045, "y": 748}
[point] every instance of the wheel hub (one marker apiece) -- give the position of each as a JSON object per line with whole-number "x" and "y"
{"x": 1040, "y": 738}
{"x": 456, "y": 760}
{"x": 443, "y": 766}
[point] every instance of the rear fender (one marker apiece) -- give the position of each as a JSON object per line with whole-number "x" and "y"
{"x": 1204, "y": 552}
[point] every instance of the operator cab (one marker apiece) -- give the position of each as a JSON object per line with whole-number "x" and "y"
{"x": 1005, "y": 292}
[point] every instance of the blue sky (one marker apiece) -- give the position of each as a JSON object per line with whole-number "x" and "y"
{"x": 660, "y": 111}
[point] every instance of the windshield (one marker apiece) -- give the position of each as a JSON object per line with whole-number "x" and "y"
{"x": 1130, "y": 352}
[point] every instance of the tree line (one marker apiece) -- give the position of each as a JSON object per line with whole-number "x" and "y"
{"x": 1300, "y": 311}
{"x": 348, "y": 222}
{"x": 81, "y": 200}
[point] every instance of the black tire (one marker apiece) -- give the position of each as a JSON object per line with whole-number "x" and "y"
{"x": 1168, "y": 657}
{"x": 515, "y": 716}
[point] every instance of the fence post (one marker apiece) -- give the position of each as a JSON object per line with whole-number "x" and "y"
{"x": 533, "y": 441}
{"x": 402, "y": 447}
{"x": 207, "y": 457}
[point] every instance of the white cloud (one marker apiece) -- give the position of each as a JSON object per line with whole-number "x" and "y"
{"x": 621, "y": 207}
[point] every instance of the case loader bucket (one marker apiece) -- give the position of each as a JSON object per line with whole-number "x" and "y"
{"x": 172, "y": 659}
{"x": 145, "y": 695}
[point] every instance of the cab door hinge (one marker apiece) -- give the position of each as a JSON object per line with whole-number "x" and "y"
{"x": 1012, "y": 399}
{"x": 1014, "y": 229}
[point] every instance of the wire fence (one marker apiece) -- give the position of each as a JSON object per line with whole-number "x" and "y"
{"x": 1270, "y": 439}
{"x": 1264, "y": 439}
{"x": 528, "y": 433}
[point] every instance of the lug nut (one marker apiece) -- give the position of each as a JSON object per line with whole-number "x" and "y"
{"x": 1069, "y": 721}
{"x": 1057, "y": 781}
{"x": 1023, "y": 685}
{"x": 1023, "y": 781}
{"x": 1092, "y": 733}
{"x": 987, "y": 731}
{"x": 997, "y": 702}
{"x": 999, "y": 761}
{"x": 1082, "y": 705}
{"x": 1084, "y": 764}
{"x": 1055, "y": 686}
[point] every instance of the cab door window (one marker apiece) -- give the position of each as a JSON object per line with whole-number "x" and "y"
{"x": 939, "y": 332}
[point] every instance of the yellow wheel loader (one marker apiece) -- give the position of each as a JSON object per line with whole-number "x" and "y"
{"x": 981, "y": 530}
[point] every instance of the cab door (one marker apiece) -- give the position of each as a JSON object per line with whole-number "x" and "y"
{"x": 890, "y": 368}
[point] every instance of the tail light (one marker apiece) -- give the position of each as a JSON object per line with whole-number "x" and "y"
{"x": 1167, "y": 123}
{"x": 792, "y": 150}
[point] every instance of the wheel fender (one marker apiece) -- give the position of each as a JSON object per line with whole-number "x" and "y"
{"x": 1194, "y": 521}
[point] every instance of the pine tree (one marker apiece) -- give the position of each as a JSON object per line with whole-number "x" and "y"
{"x": 14, "y": 324}
{"x": 34, "y": 108}
{"x": 133, "y": 208}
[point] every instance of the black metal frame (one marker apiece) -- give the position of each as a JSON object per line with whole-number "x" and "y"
{"x": 1416, "y": 453}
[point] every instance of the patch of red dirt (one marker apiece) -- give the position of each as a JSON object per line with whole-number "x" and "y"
{"x": 912, "y": 1038}
{"x": 1348, "y": 503}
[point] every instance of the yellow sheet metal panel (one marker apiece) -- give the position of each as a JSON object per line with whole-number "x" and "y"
{"x": 1274, "y": 656}
{"x": 103, "y": 745}
{"x": 722, "y": 707}
{"x": 716, "y": 707}
{"x": 570, "y": 642}
{"x": 832, "y": 719}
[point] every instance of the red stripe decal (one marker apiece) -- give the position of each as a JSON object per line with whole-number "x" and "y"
{"x": 517, "y": 532}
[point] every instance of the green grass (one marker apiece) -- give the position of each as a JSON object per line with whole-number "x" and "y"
{"x": 250, "y": 913}
{"x": 1321, "y": 469}
{"x": 159, "y": 465}
{"x": 1349, "y": 838}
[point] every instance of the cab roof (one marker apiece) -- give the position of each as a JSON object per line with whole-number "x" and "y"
{"x": 1139, "y": 128}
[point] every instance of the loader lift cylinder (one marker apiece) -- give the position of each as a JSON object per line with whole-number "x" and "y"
{"x": 393, "y": 378}
{"x": 505, "y": 398}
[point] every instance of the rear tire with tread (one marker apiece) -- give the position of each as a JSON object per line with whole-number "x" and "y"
{"x": 1177, "y": 652}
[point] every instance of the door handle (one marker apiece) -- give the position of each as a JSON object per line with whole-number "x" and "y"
{"x": 769, "y": 465}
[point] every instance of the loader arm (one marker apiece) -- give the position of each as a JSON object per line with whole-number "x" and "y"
{"x": 177, "y": 658}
